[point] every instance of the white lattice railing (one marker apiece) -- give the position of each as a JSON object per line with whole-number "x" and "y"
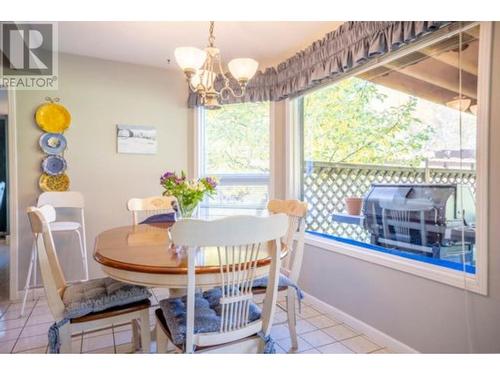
{"x": 326, "y": 185}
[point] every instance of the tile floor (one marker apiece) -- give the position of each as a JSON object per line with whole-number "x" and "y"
{"x": 318, "y": 332}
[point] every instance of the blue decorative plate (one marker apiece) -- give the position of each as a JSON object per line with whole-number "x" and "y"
{"x": 52, "y": 143}
{"x": 54, "y": 165}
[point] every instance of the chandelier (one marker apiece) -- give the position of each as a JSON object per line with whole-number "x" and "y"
{"x": 202, "y": 67}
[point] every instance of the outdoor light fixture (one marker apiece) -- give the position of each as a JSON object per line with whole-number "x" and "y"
{"x": 473, "y": 109}
{"x": 202, "y": 67}
{"x": 460, "y": 103}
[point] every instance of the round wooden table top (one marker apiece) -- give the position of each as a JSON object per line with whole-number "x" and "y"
{"x": 146, "y": 248}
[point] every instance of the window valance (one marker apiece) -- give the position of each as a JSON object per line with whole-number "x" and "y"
{"x": 351, "y": 45}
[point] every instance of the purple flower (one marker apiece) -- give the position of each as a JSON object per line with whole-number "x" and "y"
{"x": 211, "y": 182}
{"x": 167, "y": 176}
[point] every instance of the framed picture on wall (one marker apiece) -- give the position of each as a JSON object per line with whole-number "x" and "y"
{"x": 135, "y": 139}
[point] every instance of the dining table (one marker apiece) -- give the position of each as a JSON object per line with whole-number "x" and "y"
{"x": 144, "y": 254}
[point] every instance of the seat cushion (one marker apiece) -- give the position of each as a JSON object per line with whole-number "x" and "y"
{"x": 160, "y": 218}
{"x": 284, "y": 282}
{"x": 207, "y": 317}
{"x": 96, "y": 295}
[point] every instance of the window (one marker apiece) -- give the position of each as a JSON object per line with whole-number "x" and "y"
{"x": 395, "y": 145}
{"x": 235, "y": 147}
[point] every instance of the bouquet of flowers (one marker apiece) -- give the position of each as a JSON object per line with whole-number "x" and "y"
{"x": 189, "y": 192}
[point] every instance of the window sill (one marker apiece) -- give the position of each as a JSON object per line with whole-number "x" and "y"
{"x": 451, "y": 277}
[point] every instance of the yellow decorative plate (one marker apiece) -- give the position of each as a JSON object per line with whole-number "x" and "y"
{"x": 54, "y": 183}
{"x": 52, "y": 117}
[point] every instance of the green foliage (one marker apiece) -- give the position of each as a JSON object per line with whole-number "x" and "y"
{"x": 237, "y": 139}
{"x": 189, "y": 192}
{"x": 351, "y": 122}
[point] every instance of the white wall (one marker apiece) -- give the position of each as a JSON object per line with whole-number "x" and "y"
{"x": 428, "y": 316}
{"x": 101, "y": 94}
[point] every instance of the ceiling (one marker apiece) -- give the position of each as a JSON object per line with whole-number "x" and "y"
{"x": 153, "y": 43}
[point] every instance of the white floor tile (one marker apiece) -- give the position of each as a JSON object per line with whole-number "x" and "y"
{"x": 32, "y": 342}
{"x": 382, "y": 351}
{"x": 280, "y": 331}
{"x": 97, "y": 342}
{"x": 124, "y": 349}
{"x": 286, "y": 345}
{"x": 340, "y": 332}
{"x": 11, "y": 334}
{"x": 280, "y": 317}
{"x": 335, "y": 348}
{"x": 303, "y": 326}
{"x": 307, "y": 312}
{"x": 40, "y": 350}
{"x": 12, "y": 323}
{"x": 123, "y": 337}
{"x": 317, "y": 338}
{"x": 99, "y": 332}
{"x": 6, "y": 346}
{"x": 310, "y": 351}
{"x": 360, "y": 344}
{"x": 106, "y": 350}
{"x": 35, "y": 330}
{"x": 322, "y": 321}
{"x": 39, "y": 319}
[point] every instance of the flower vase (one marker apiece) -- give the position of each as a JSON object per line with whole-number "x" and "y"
{"x": 188, "y": 211}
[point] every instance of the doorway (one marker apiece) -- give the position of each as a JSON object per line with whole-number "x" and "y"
{"x": 4, "y": 221}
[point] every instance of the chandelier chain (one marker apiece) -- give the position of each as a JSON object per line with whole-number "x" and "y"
{"x": 211, "y": 37}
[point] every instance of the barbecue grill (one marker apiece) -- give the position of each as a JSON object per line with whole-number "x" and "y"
{"x": 421, "y": 218}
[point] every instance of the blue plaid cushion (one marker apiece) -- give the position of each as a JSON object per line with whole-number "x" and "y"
{"x": 207, "y": 317}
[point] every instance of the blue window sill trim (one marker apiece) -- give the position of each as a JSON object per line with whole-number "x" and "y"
{"x": 437, "y": 262}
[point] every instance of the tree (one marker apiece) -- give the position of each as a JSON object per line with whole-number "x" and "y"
{"x": 237, "y": 139}
{"x": 351, "y": 122}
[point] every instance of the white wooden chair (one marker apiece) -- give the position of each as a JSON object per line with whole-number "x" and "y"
{"x": 71, "y": 200}
{"x": 146, "y": 207}
{"x": 238, "y": 239}
{"x": 294, "y": 239}
{"x": 55, "y": 284}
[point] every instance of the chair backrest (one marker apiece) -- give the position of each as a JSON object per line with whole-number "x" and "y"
{"x": 151, "y": 206}
{"x": 62, "y": 199}
{"x": 53, "y": 278}
{"x": 296, "y": 211}
{"x": 240, "y": 241}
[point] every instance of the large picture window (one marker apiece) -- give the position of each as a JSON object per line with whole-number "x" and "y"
{"x": 235, "y": 147}
{"x": 389, "y": 155}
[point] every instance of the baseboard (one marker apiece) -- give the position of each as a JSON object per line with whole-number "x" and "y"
{"x": 379, "y": 337}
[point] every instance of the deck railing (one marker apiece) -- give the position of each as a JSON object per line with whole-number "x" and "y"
{"x": 326, "y": 185}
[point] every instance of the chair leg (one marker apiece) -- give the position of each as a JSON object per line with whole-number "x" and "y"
{"x": 161, "y": 339}
{"x": 65, "y": 337}
{"x": 83, "y": 252}
{"x": 292, "y": 319}
{"x": 136, "y": 338}
{"x": 28, "y": 279}
{"x": 145, "y": 332}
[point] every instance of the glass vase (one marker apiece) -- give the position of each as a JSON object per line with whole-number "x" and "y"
{"x": 187, "y": 210}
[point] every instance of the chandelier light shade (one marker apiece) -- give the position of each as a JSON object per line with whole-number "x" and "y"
{"x": 243, "y": 69}
{"x": 203, "y": 67}
{"x": 190, "y": 59}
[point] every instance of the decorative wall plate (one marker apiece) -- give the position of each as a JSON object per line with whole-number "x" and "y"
{"x": 52, "y": 117}
{"x": 54, "y": 183}
{"x": 52, "y": 143}
{"x": 54, "y": 165}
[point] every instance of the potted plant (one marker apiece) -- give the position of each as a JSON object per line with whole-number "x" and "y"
{"x": 188, "y": 192}
{"x": 353, "y": 205}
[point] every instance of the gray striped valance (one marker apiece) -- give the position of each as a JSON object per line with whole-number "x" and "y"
{"x": 352, "y": 44}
